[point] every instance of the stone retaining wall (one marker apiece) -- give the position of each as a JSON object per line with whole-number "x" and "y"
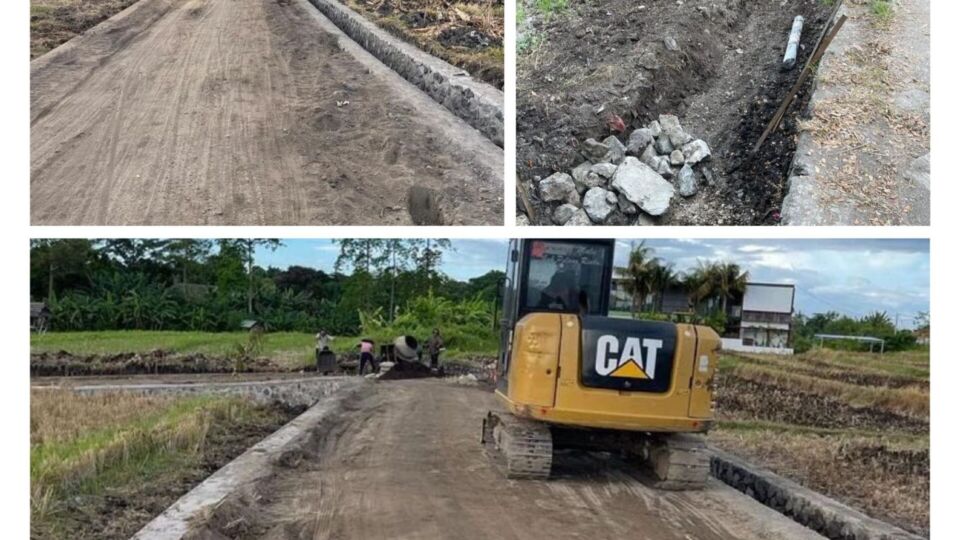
{"x": 809, "y": 508}
{"x": 476, "y": 102}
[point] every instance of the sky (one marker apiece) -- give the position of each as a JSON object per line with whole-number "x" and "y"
{"x": 851, "y": 276}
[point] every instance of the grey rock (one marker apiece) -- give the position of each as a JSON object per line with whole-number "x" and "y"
{"x": 593, "y": 150}
{"x": 676, "y": 157}
{"x": 611, "y": 197}
{"x": 671, "y": 127}
{"x": 671, "y": 44}
{"x": 580, "y": 219}
{"x": 696, "y": 151}
{"x": 650, "y": 157}
{"x": 616, "y": 150}
{"x": 573, "y": 197}
{"x": 580, "y": 171}
{"x": 708, "y": 175}
{"x": 603, "y": 170}
{"x": 639, "y": 140}
{"x": 655, "y": 128}
{"x": 687, "y": 180}
{"x": 643, "y": 220}
{"x": 563, "y": 213}
{"x": 625, "y": 205}
{"x": 591, "y": 180}
{"x": 556, "y": 187}
{"x": 597, "y": 206}
{"x": 523, "y": 220}
{"x": 663, "y": 145}
{"x": 663, "y": 167}
{"x": 642, "y": 186}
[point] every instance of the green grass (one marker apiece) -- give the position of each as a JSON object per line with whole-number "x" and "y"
{"x": 286, "y": 348}
{"x": 551, "y": 7}
{"x": 882, "y": 10}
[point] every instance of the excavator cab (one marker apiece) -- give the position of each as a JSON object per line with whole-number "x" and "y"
{"x": 568, "y": 375}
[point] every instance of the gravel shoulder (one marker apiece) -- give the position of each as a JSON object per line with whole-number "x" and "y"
{"x": 405, "y": 461}
{"x": 244, "y": 112}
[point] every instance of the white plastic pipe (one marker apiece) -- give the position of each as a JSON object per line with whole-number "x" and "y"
{"x": 790, "y": 58}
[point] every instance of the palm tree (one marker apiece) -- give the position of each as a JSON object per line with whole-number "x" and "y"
{"x": 662, "y": 277}
{"x": 700, "y": 282}
{"x": 730, "y": 281}
{"x": 637, "y": 274}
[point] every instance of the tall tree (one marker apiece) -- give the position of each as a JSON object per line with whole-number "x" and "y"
{"x": 184, "y": 253}
{"x": 60, "y": 260}
{"x": 731, "y": 281}
{"x": 637, "y": 274}
{"x": 247, "y": 248}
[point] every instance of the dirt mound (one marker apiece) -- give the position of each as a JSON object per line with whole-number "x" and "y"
{"x": 63, "y": 363}
{"x": 716, "y": 66}
{"x": 741, "y": 399}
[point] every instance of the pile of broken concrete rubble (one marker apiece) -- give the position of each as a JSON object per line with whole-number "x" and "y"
{"x": 625, "y": 184}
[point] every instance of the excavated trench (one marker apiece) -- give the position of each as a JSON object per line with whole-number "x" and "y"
{"x": 716, "y": 65}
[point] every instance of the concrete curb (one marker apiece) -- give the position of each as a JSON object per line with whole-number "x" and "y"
{"x": 194, "y": 509}
{"x": 824, "y": 515}
{"x": 290, "y": 392}
{"x": 477, "y": 103}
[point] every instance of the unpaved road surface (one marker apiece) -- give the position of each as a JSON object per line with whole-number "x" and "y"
{"x": 404, "y": 461}
{"x": 242, "y": 112}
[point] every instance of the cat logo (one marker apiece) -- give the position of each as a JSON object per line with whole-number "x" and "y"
{"x": 631, "y": 363}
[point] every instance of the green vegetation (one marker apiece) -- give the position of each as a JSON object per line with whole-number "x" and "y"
{"x": 877, "y": 324}
{"x": 882, "y": 10}
{"x": 551, "y": 7}
{"x": 84, "y": 446}
{"x": 198, "y": 287}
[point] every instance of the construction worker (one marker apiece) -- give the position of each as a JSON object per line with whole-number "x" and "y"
{"x": 366, "y": 355}
{"x": 434, "y": 346}
{"x": 323, "y": 345}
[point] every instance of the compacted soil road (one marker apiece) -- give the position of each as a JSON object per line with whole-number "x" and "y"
{"x": 242, "y": 112}
{"x": 404, "y": 461}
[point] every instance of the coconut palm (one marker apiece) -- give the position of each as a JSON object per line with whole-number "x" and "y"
{"x": 662, "y": 277}
{"x": 637, "y": 274}
{"x": 731, "y": 281}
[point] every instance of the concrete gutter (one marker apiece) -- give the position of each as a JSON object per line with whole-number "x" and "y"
{"x": 190, "y": 513}
{"x": 824, "y": 515}
{"x": 291, "y": 392}
{"x": 476, "y": 102}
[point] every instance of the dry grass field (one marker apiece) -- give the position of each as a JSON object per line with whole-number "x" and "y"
{"x": 54, "y": 22}
{"x": 101, "y": 466}
{"x": 854, "y": 426}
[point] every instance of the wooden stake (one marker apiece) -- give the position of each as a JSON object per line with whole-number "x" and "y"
{"x": 792, "y": 94}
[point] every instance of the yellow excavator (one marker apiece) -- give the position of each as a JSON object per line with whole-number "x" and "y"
{"x": 570, "y": 376}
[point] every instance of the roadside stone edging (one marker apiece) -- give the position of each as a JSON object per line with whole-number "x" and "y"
{"x": 290, "y": 392}
{"x": 476, "y": 102}
{"x": 191, "y": 512}
{"x": 824, "y": 515}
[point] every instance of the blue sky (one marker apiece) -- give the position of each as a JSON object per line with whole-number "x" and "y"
{"x": 852, "y": 276}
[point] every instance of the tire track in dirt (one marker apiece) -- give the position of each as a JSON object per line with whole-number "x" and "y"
{"x": 405, "y": 462}
{"x": 234, "y": 112}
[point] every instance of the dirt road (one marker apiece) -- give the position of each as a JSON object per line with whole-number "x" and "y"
{"x": 242, "y": 112}
{"x": 404, "y": 461}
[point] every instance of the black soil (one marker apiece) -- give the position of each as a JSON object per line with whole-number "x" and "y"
{"x": 746, "y": 400}
{"x": 724, "y": 83}
{"x": 65, "y": 364}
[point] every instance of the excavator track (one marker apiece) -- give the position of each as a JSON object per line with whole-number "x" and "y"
{"x": 677, "y": 462}
{"x": 522, "y": 449}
